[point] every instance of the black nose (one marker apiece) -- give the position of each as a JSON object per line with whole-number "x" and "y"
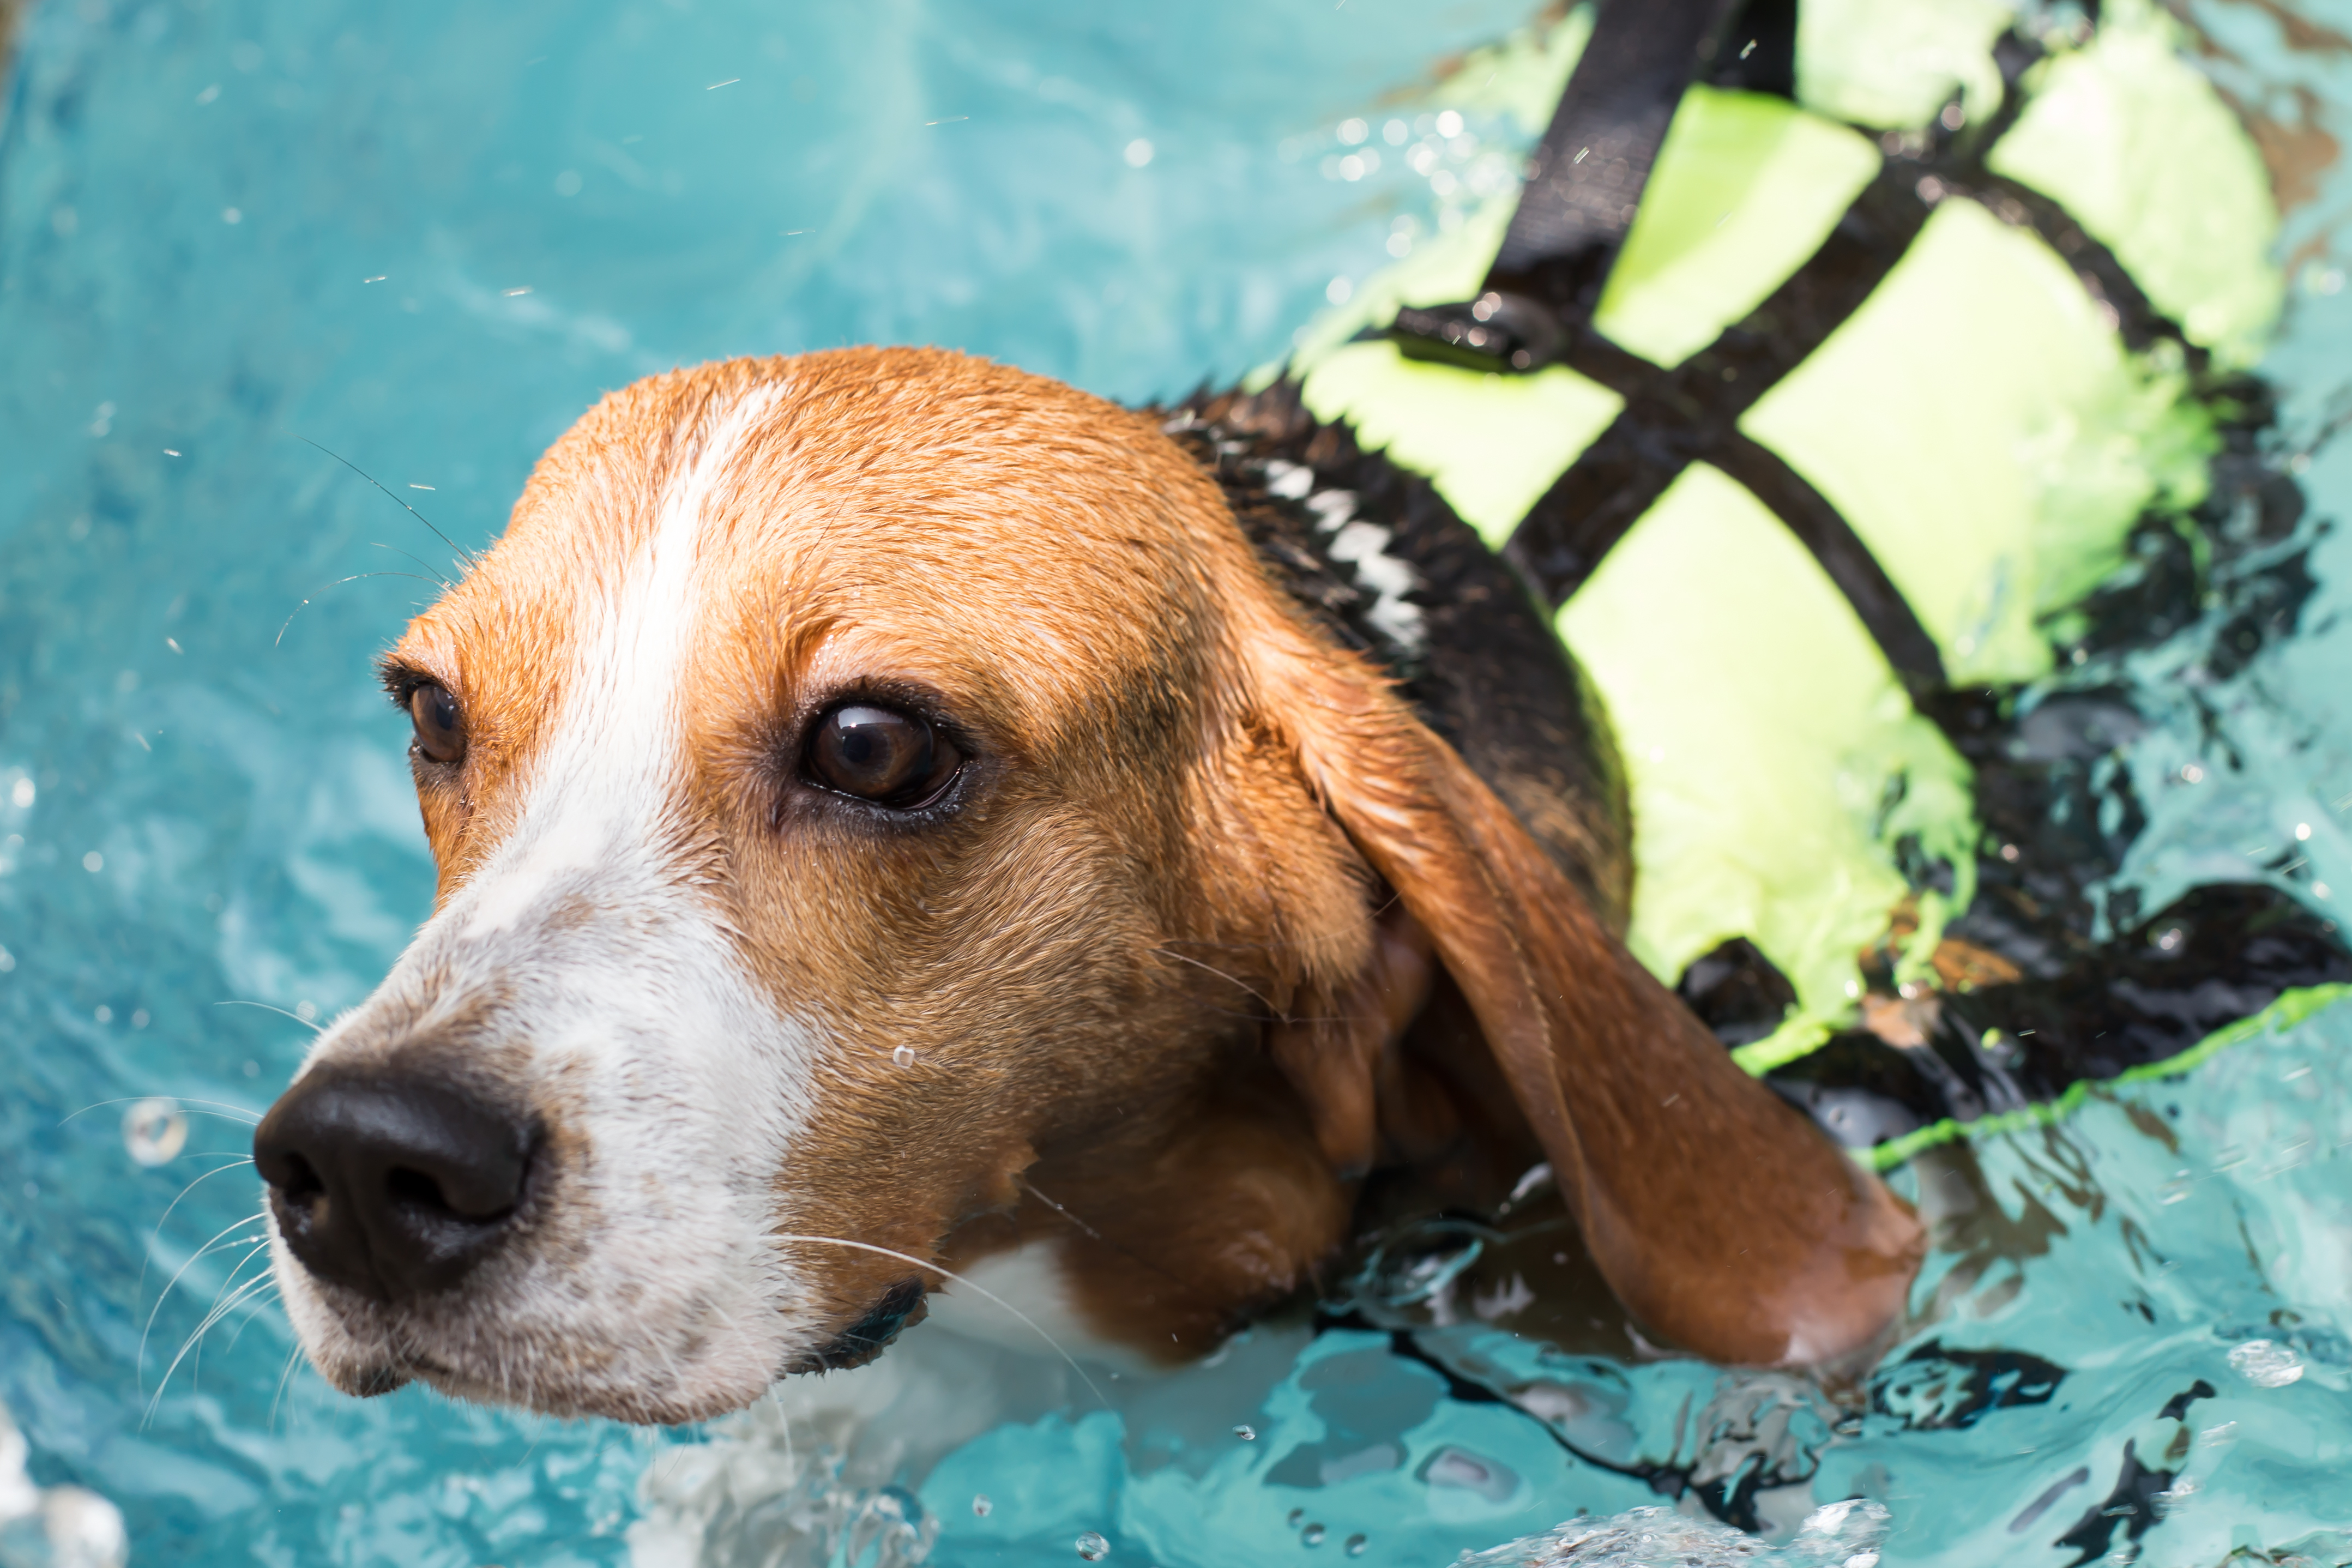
{"x": 394, "y": 1184}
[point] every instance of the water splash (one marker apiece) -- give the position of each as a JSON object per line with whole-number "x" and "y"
{"x": 154, "y": 1131}
{"x": 56, "y": 1527}
{"x": 1841, "y": 1535}
{"x": 2091, "y": 1278}
{"x": 2266, "y": 1364}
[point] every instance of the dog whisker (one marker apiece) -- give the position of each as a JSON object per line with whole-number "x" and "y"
{"x": 223, "y": 1109}
{"x": 1234, "y": 946}
{"x": 172, "y": 1284}
{"x": 1245, "y": 985}
{"x": 1135, "y": 1257}
{"x": 1031, "y": 1188}
{"x": 284, "y": 1379}
{"x": 437, "y": 576}
{"x": 230, "y": 1282}
{"x": 784, "y": 1419}
{"x": 977, "y": 1290}
{"x": 1242, "y": 1014}
{"x": 338, "y": 583}
{"x": 465, "y": 554}
{"x": 312, "y": 1024}
{"x": 248, "y": 1322}
{"x": 156, "y": 1234}
{"x": 255, "y": 1289}
{"x": 247, "y": 1289}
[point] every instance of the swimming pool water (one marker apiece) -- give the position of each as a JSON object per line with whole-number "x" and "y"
{"x": 424, "y": 237}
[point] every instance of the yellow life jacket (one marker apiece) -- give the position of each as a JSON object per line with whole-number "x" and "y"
{"x": 1854, "y": 394}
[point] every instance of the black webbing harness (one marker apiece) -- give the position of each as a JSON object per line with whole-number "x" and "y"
{"x": 2066, "y": 1006}
{"x": 2072, "y": 1008}
{"x": 1583, "y": 186}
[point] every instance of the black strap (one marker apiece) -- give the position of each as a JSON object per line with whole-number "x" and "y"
{"x": 1691, "y": 413}
{"x": 1537, "y": 306}
{"x": 1758, "y": 52}
{"x": 1585, "y": 180}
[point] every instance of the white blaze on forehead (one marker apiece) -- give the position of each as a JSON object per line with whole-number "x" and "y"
{"x": 611, "y": 765}
{"x": 617, "y": 1000}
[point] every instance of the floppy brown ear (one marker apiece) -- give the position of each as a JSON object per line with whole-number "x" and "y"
{"x": 1725, "y": 1222}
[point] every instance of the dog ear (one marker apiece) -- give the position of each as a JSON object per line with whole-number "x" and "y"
{"x": 1339, "y": 1058}
{"x": 1725, "y": 1222}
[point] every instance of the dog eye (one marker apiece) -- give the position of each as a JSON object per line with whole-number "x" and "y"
{"x": 439, "y": 734}
{"x": 880, "y": 754}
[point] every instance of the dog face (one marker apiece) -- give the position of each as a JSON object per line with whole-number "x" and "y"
{"x": 856, "y": 779}
{"x": 819, "y": 773}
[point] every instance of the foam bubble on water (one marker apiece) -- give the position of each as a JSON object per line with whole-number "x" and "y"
{"x": 154, "y": 1131}
{"x": 1841, "y": 1535}
{"x": 981, "y": 1507}
{"x": 1093, "y": 1547}
{"x": 56, "y": 1527}
{"x": 2267, "y": 1364}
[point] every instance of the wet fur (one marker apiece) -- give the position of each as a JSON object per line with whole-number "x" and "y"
{"x": 1212, "y": 927}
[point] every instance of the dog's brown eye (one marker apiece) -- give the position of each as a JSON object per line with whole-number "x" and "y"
{"x": 880, "y": 754}
{"x": 439, "y": 734}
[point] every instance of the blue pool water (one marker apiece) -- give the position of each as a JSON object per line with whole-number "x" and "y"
{"x": 425, "y": 236}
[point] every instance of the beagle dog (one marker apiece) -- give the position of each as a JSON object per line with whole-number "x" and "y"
{"x": 891, "y": 810}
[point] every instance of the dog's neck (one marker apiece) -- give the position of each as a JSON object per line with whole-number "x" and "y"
{"x": 1384, "y": 565}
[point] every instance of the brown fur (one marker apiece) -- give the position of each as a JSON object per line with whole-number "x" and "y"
{"x": 1144, "y": 967}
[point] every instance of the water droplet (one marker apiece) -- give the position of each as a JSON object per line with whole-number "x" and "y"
{"x": 980, "y": 1505}
{"x": 1295, "y": 1515}
{"x": 1093, "y": 1547}
{"x": 153, "y": 1130}
{"x": 2265, "y": 1363}
{"x": 1356, "y": 1544}
{"x": 1312, "y": 1535}
{"x": 904, "y": 1056}
{"x": 1246, "y": 1434}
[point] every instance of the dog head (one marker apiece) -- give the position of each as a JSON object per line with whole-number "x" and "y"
{"x": 835, "y": 775}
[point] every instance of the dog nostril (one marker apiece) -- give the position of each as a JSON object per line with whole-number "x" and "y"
{"x": 300, "y": 1183}
{"x": 419, "y": 1189}
{"x": 393, "y": 1185}
{"x": 415, "y": 1187}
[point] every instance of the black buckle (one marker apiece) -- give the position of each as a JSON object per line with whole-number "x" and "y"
{"x": 1496, "y": 331}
